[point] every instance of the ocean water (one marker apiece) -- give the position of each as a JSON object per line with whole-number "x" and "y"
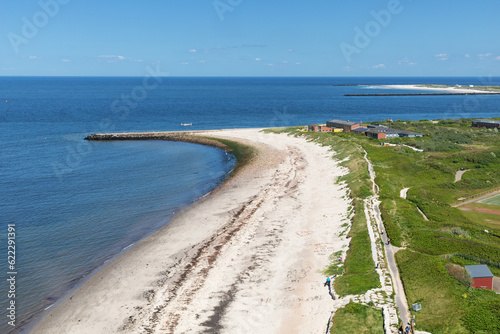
{"x": 78, "y": 204}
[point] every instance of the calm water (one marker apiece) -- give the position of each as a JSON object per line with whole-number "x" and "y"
{"x": 77, "y": 204}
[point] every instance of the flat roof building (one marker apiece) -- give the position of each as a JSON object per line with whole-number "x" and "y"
{"x": 486, "y": 123}
{"x": 373, "y": 133}
{"x": 345, "y": 125}
{"x": 411, "y": 134}
{"x": 359, "y": 130}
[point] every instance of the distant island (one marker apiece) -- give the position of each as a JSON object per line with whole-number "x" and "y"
{"x": 437, "y": 90}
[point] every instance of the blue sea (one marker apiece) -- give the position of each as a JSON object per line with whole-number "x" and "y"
{"x": 76, "y": 205}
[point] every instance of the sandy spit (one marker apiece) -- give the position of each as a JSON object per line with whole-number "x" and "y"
{"x": 245, "y": 259}
{"x": 448, "y": 89}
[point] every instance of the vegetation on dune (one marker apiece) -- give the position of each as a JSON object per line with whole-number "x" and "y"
{"x": 359, "y": 273}
{"x": 436, "y": 249}
{"x": 357, "y": 319}
{"x": 358, "y": 269}
{"x": 450, "y": 235}
{"x": 449, "y": 305}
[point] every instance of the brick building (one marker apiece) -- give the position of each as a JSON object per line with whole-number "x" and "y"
{"x": 344, "y": 125}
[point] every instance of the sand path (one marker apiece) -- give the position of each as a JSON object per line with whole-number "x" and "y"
{"x": 458, "y": 175}
{"x": 244, "y": 260}
{"x": 403, "y": 193}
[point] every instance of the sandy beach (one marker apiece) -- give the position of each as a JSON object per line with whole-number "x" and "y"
{"x": 245, "y": 259}
{"x": 448, "y": 89}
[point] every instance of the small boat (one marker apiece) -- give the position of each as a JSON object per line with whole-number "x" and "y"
{"x": 186, "y": 124}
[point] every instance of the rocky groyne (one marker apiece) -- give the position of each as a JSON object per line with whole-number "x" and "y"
{"x": 167, "y": 136}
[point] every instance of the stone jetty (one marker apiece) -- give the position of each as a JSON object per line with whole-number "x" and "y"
{"x": 189, "y": 137}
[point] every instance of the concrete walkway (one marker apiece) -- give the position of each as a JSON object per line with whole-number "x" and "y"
{"x": 390, "y": 297}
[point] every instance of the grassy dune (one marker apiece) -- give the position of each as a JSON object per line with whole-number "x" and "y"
{"x": 436, "y": 249}
{"x": 358, "y": 319}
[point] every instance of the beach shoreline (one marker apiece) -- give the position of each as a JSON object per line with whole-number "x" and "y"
{"x": 264, "y": 221}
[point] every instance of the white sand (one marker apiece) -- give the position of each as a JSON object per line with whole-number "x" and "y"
{"x": 243, "y": 260}
{"x": 448, "y": 89}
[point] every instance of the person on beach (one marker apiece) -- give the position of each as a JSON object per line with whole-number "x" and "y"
{"x": 327, "y": 282}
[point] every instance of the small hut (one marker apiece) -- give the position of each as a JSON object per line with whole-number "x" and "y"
{"x": 481, "y": 276}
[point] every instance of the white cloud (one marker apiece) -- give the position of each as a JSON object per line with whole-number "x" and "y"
{"x": 258, "y": 59}
{"x": 270, "y": 64}
{"x": 497, "y": 58}
{"x": 484, "y": 55}
{"x": 201, "y": 61}
{"x": 184, "y": 63}
{"x": 33, "y": 57}
{"x": 378, "y": 66}
{"x": 442, "y": 56}
{"x": 406, "y": 61}
{"x": 297, "y": 63}
{"x": 284, "y": 62}
{"x": 221, "y": 48}
{"x": 467, "y": 55}
{"x": 65, "y": 60}
{"x": 112, "y": 58}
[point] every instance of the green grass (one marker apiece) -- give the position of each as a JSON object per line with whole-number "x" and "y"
{"x": 335, "y": 267}
{"x": 489, "y": 220}
{"x": 426, "y": 282}
{"x": 359, "y": 269}
{"x": 450, "y": 231}
{"x": 450, "y": 236}
{"x": 447, "y": 304}
{"x": 356, "y": 318}
{"x": 495, "y": 200}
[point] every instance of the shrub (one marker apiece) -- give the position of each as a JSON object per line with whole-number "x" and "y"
{"x": 392, "y": 229}
{"x": 460, "y": 273}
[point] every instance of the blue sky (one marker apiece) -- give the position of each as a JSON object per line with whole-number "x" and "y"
{"x": 250, "y": 37}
